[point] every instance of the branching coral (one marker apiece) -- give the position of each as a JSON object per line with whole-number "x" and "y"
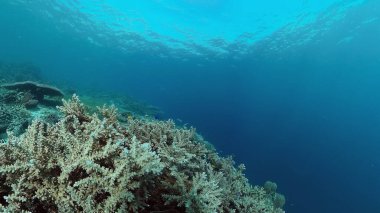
{"x": 92, "y": 163}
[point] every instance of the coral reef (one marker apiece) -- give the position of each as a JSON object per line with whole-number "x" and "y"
{"x": 13, "y": 115}
{"x": 278, "y": 199}
{"x": 12, "y": 97}
{"x": 35, "y": 93}
{"x": 127, "y": 106}
{"x": 17, "y": 110}
{"x": 38, "y": 90}
{"x": 92, "y": 163}
{"x": 14, "y": 118}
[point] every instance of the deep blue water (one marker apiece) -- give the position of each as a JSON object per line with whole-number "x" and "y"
{"x": 299, "y": 104}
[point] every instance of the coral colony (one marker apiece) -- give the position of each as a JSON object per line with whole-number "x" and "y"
{"x": 66, "y": 159}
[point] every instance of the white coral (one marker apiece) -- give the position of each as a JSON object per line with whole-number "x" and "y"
{"x": 94, "y": 164}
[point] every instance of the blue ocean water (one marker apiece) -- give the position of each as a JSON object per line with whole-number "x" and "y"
{"x": 290, "y": 88}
